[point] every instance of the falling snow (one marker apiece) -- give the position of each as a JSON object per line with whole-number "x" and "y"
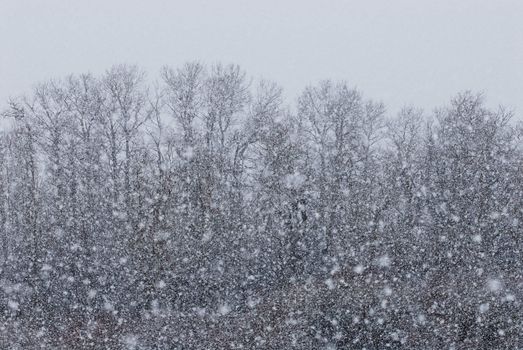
{"x": 207, "y": 213}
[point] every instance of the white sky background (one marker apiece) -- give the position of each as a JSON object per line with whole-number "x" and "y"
{"x": 416, "y": 52}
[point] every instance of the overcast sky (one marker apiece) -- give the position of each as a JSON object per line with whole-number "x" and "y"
{"x": 400, "y": 52}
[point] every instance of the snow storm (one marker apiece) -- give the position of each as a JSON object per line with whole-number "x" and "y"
{"x": 203, "y": 211}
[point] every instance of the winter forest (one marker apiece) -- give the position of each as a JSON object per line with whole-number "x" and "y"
{"x": 204, "y": 211}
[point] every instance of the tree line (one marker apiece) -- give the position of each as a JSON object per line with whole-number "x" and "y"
{"x": 203, "y": 211}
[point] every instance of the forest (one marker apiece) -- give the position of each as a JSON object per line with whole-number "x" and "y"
{"x": 205, "y": 211}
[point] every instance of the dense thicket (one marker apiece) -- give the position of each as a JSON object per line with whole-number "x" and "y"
{"x": 203, "y": 213}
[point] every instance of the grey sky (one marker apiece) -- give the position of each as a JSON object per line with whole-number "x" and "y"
{"x": 401, "y": 52}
